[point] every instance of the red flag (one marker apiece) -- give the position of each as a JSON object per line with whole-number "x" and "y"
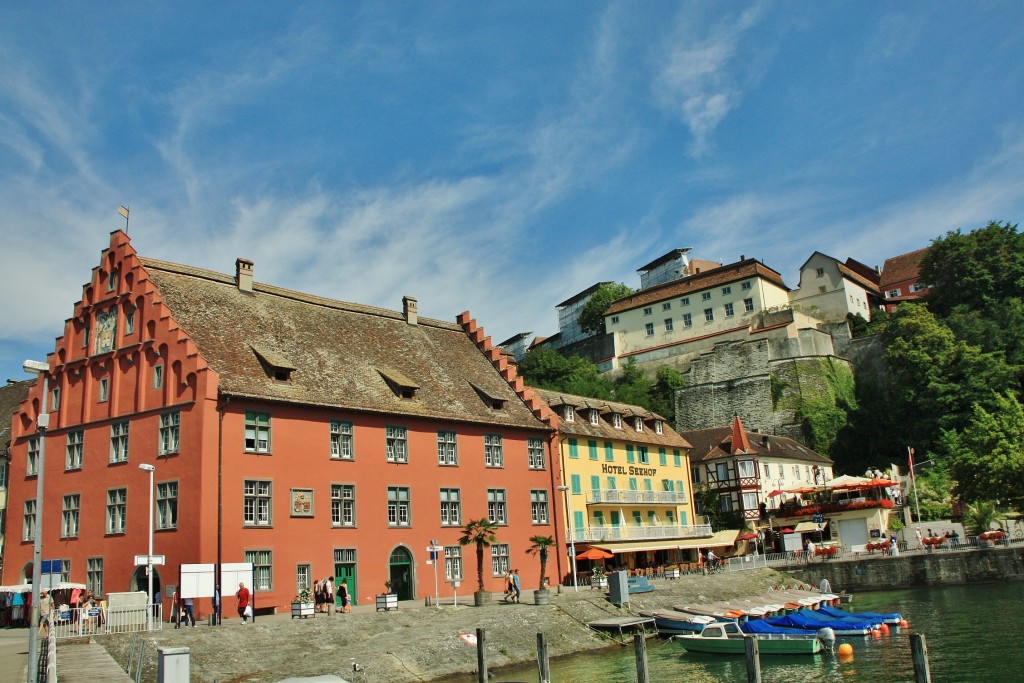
{"x": 910, "y": 461}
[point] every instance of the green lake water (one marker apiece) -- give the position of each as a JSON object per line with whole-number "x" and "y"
{"x": 974, "y": 633}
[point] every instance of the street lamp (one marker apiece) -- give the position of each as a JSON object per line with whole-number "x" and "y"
{"x": 149, "y": 558}
{"x": 572, "y": 535}
{"x": 437, "y": 558}
{"x": 34, "y": 367}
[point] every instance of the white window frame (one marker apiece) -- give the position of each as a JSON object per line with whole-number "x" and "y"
{"x": 730, "y": 310}
{"x": 94, "y": 576}
{"x": 32, "y": 457}
{"x": 648, "y": 310}
{"x": 709, "y": 315}
{"x": 497, "y": 506}
{"x": 70, "y": 509}
{"x": 129, "y": 320}
{"x": 118, "y": 442}
{"x": 649, "y": 329}
{"x": 595, "y": 417}
{"x": 685, "y": 301}
{"x": 158, "y": 376}
{"x": 745, "y": 468}
{"x": 727, "y": 290}
{"x": 748, "y": 305}
{"x": 28, "y": 522}
{"x": 396, "y": 442}
{"x": 342, "y": 440}
{"x": 705, "y": 296}
{"x": 499, "y": 559}
{"x": 668, "y": 324}
{"x": 453, "y": 563}
{"x": 617, "y": 420}
{"x": 687, "y": 320}
{"x": 494, "y": 454}
{"x": 343, "y": 505}
{"x": 666, "y": 306}
{"x": 73, "y": 451}
{"x": 570, "y": 414}
{"x": 262, "y": 568}
{"x": 103, "y": 391}
{"x": 447, "y": 448}
{"x": 451, "y": 507}
{"x": 167, "y": 504}
{"x": 399, "y": 506}
{"x": 257, "y": 431}
{"x": 257, "y": 502}
{"x": 746, "y": 285}
{"x": 539, "y": 506}
{"x": 303, "y": 578}
{"x": 750, "y": 501}
{"x": 535, "y": 454}
{"x": 169, "y": 434}
{"x": 117, "y": 510}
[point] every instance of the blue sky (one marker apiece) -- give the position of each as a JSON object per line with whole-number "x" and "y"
{"x": 494, "y": 157}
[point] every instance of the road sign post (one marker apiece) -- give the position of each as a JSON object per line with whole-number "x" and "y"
{"x": 434, "y": 549}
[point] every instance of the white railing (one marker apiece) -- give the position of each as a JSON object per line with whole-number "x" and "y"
{"x": 639, "y": 533}
{"x": 85, "y": 621}
{"x": 599, "y": 496}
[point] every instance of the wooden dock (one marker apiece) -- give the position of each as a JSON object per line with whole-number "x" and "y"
{"x": 87, "y": 663}
{"x": 623, "y": 624}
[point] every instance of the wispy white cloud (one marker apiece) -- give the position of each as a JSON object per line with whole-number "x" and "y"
{"x": 699, "y": 78}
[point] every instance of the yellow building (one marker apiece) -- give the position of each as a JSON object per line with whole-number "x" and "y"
{"x": 627, "y": 488}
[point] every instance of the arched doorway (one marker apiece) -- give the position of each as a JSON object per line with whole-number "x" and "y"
{"x": 400, "y": 572}
{"x": 140, "y": 582}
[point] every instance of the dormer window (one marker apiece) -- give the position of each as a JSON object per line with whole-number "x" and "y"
{"x": 595, "y": 418}
{"x": 638, "y": 424}
{"x": 277, "y": 367}
{"x": 403, "y": 387}
{"x": 617, "y": 420}
{"x": 493, "y": 401}
{"x": 658, "y": 428}
{"x": 570, "y": 414}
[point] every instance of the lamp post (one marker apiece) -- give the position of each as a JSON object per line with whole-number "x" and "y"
{"x": 572, "y": 535}
{"x": 34, "y": 367}
{"x": 149, "y": 558}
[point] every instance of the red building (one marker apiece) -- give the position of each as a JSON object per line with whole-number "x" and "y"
{"x": 308, "y": 436}
{"x": 901, "y": 280}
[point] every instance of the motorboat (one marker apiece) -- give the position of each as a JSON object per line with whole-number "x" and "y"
{"x": 729, "y": 638}
{"x": 672, "y": 622}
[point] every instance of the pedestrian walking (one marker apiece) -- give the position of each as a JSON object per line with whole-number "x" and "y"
{"x": 515, "y": 585}
{"x": 244, "y": 609}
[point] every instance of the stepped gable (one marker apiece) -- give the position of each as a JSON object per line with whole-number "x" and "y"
{"x": 582, "y": 427}
{"x": 721, "y": 275}
{"x": 332, "y": 353}
{"x": 507, "y": 370}
{"x": 720, "y": 442}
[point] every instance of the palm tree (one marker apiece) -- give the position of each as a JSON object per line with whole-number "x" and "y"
{"x": 540, "y": 547}
{"x": 978, "y": 516}
{"x": 482, "y": 533}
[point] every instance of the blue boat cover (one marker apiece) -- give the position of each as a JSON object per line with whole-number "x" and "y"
{"x": 809, "y": 619}
{"x": 762, "y": 626}
{"x": 879, "y": 616}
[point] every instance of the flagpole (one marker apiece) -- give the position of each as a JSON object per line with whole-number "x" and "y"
{"x": 123, "y": 212}
{"x": 913, "y": 478}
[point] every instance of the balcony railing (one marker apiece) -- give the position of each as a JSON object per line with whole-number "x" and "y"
{"x": 595, "y": 534}
{"x": 605, "y": 496}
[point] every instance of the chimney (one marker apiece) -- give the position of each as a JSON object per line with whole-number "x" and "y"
{"x": 243, "y": 274}
{"x": 409, "y": 309}
{"x": 764, "y": 442}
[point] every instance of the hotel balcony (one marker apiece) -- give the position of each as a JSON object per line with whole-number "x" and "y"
{"x": 597, "y": 534}
{"x": 617, "y": 496}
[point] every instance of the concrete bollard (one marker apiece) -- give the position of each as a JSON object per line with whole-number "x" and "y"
{"x": 173, "y": 665}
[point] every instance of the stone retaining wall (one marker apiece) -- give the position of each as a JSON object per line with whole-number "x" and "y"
{"x": 906, "y": 571}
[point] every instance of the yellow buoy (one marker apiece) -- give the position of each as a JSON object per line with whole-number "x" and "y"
{"x": 846, "y": 650}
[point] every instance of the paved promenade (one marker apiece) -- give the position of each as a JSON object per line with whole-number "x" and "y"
{"x": 13, "y": 654}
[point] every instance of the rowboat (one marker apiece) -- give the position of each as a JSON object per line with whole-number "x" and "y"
{"x": 727, "y": 638}
{"x": 719, "y": 612}
{"x": 671, "y": 622}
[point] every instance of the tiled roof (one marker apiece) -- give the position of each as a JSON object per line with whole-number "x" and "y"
{"x": 901, "y": 268}
{"x": 710, "y": 444}
{"x": 604, "y": 430}
{"x": 721, "y": 275}
{"x": 853, "y": 275}
{"x": 339, "y": 351}
{"x": 11, "y": 395}
{"x": 863, "y": 269}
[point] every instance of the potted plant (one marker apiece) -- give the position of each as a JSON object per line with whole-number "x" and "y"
{"x": 387, "y": 600}
{"x": 481, "y": 533}
{"x": 540, "y": 547}
{"x": 598, "y": 579}
{"x": 303, "y": 605}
